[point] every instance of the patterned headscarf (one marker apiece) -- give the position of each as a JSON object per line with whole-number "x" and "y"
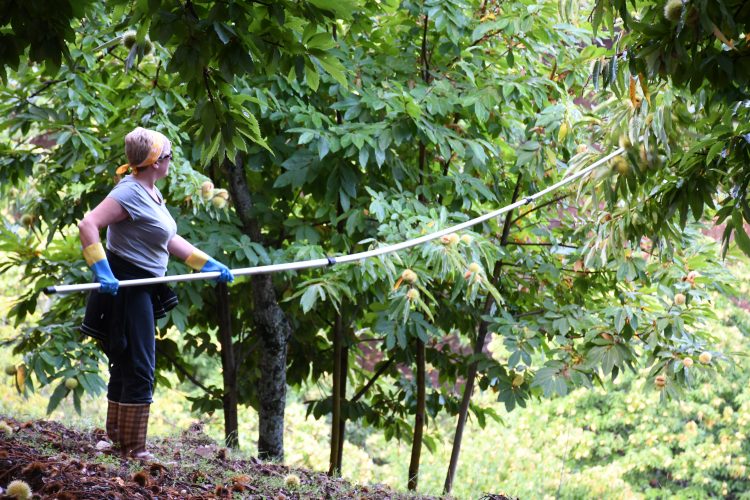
{"x": 157, "y": 145}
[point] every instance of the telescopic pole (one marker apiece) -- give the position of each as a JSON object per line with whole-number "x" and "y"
{"x": 306, "y": 264}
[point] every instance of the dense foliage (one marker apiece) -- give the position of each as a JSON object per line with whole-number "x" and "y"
{"x": 340, "y": 126}
{"x": 616, "y": 441}
{"x": 694, "y": 55}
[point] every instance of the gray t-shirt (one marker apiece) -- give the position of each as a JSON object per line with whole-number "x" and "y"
{"x": 142, "y": 238}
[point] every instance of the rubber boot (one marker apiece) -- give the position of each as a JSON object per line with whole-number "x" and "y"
{"x": 133, "y": 427}
{"x": 113, "y": 409}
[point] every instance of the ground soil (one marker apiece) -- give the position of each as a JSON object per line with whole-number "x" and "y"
{"x": 63, "y": 463}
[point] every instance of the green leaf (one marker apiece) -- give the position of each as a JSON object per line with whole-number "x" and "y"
{"x": 221, "y": 32}
{"x": 342, "y": 8}
{"x": 333, "y": 67}
{"x": 312, "y": 77}
{"x": 740, "y": 236}
{"x": 77, "y": 401}
{"x": 481, "y": 112}
{"x": 364, "y": 155}
{"x": 596, "y": 73}
{"x": 401, "y": 337}
{"x": 390, "y": 340}
{"x": 379, "y": 157}
{"x": 321, "y": 41}
{"x": 613, "y": 68}
{"x": 717, "y": 148}
{"x": 485, "y": 28}
{"x": 115, "y": 41}
{"x": 213, "y": 148}
{"x": 306, "y": 137}
{"x": 597, "y": 17}
{"x": 310, "y": 297}
{"x": 57, "y": 396}
{"x": 550, "y": 380}
{"x": 413, "y": 110}
{"x": 619, "y": 320}
{"x": 323, "y": 148}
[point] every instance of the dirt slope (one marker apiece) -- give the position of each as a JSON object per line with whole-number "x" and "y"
{"x": 58, "y": 462}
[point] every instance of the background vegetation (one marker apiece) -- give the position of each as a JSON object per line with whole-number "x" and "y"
{"x": 305, "y": 129}
{"x": 618, "y": 441}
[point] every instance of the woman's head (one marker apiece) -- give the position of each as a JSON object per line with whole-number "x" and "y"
{"x": 144, "y": 148}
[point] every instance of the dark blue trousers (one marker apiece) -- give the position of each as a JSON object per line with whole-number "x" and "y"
{"x": 124, "y": 326}
{"x": 131, "y": 370}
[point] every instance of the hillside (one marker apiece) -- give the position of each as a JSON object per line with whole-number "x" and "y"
{"x": 58, "y": 462}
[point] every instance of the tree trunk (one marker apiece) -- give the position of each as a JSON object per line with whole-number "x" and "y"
{"x": 416, "y": 445}
{"x": 275, "y": 333}
{"x": 419, "y": 417}
{"x": 466, "y": 399}
{"x": 273, "y": 326}
{"x": 342, "y": 421}
{"x": 340, "y": 363}
{"x": 229, "y": 368}
{"x": 478, "y": 347}
{"x": 334, "y": 468}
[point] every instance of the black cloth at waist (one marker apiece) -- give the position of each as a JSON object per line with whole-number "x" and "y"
{"x": 105, "y": 314}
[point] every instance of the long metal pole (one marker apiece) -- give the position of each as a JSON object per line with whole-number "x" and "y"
{"x": 306, "y": 264}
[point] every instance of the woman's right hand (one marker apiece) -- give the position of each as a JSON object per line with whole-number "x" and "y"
{"x": 97, "y": 261}
{"x": 107, "y": 281}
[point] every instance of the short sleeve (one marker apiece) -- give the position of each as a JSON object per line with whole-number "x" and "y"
{"x": 127, "y": 195}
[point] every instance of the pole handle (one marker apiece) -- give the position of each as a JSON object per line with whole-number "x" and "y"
{"x": 135, "y": 282}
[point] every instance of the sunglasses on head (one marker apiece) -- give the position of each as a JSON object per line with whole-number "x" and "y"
{"x": 166, "y": 157}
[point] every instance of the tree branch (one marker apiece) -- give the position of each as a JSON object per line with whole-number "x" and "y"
{"x": 242, "y": 354}
{"x": 478, "y": 347}
{"x": 372, "y": 380}
{"x": 425, "y": 66}
{"x": 144, "y": 75}
{"x": 539, "y": 244}
{"x": 583, "y": 271}
{"x": 156, "y": 76}
{"x": 529, "y": 313}
{"x": 182, "y": 370}
{"x": 206, "y": 84}
{"x": 538, "y": 207}
{"x": 44, "y": 87}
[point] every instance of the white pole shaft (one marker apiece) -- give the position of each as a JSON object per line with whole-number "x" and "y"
{"x": 306, "y": 264}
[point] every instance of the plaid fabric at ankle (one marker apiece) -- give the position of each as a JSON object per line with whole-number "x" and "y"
{"x": 133, "y": 427}
{"x": 113, "y": 410}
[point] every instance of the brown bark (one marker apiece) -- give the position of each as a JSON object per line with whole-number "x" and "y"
{"x": 338, "y": 391}
{"x": 273, "y": 327}
{"x": 334, "y": 467}
{"x": 419, "y": 415}
{"x": 419, "y": 418}
{"x": 342, "y": 421}
{"x": 229, "y": 368}
{"x": 478, "y": 346}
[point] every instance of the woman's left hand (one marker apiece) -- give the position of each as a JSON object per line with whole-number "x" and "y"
{"x": 213, "y": 265}
{"x": 198, "y": 260}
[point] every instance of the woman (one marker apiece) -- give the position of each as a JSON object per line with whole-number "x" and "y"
{"x": 141, "y": 234}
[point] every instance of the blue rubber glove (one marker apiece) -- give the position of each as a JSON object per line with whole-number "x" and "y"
{"x": 97, "y": 261}
{"x": 200, "y": 261}
{"x": 214, "y": 266}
